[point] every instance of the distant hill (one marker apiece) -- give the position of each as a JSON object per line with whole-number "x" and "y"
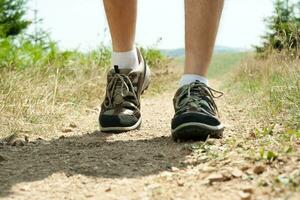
{"x": 218, "y": 49}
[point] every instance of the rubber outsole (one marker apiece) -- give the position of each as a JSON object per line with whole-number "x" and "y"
{"x": 121, "y": 129}
{"x": 196, "y": 133}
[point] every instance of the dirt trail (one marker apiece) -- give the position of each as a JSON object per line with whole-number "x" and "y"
{"x": 144, "y": 164}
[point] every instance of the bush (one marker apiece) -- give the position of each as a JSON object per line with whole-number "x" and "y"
{"x": 283, "y": 30}
{"x": 11, "y": 18}
{"x": 154, "y": 57}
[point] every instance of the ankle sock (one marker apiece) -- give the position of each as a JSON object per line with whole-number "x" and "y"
{"x": 187, "y": 79}
{"x": 125, "y": 60}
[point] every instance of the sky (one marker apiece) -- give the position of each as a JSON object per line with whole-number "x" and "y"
{"x": 81, "y": 24}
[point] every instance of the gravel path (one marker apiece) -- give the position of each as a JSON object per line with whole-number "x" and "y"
{"x": 144, "y": 164}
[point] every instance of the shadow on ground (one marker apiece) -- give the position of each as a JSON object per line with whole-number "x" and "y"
{"x": 92, "y": 155}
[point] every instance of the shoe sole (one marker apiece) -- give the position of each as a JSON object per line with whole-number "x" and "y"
{"x": 139, "y": 122}
{"x": 197, "y": 131}
{"x": 121, "y": 129}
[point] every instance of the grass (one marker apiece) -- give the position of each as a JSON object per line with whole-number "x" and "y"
{"x": 222, "y": 63}
{"x": 273, "y": 85}
{"x": 40, "y": 97}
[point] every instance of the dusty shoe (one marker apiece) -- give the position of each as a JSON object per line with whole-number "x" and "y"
{"x": 196, "y": 113}
{"x": 120, "y": 110}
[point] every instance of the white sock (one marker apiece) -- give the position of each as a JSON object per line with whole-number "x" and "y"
{"x": 125, "y": 60}
{"x": 187, "y": 79}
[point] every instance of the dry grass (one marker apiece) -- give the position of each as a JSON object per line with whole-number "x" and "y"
{"x": 274, "y": 85}
{"x": 36, "y": 100}
{"x": 41, "y": 101}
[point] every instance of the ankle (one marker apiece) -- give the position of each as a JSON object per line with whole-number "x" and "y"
{"x": 187, "y": 79}
{"x": 125, "y": 60}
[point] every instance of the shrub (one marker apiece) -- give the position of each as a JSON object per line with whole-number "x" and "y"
{"x": 283, "y": 30}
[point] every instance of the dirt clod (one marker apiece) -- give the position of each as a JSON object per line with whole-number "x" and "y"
{"x": 259, "y": 169}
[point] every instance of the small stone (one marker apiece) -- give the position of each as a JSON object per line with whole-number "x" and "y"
{"x": 66, "y": 130}
{"x": 180, "y": 183}
{"x": 226, "y": 175}
{"x": 248, "y": 189}
{"x": 166, "y": 174}
{"x": 73, "y": 125}
{"x": 237, "y": 173}
{"x": 208, "y": 169}
{"x": 26, "y": 138}
{"x": 245, "y": 168}
{"x": 259, "y": 169}
{"x": 244, "y": 196}
{"x": 174, "y": 169}
{"x": 211, "y": 141}
{"x": 2, "y": 158}
{"x": 215, "y": 178}
{"x": 42, "y": 141}
{"x": 17, "y": 143}
{"x": 108, "y": 189}
{"x": 62, "y": 137}
{"x": 160, "y": 155}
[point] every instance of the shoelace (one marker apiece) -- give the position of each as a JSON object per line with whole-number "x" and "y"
{"x": 125, "y": 89}
{"x": 195, "y": 93}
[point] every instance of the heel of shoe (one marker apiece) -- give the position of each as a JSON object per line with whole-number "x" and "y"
{"x": 147, "y": 79}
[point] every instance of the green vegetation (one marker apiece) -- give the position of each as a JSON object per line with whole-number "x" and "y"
{"x": 11, "y": 18}
{"x": 224, "y": 63}
{"x": 283, "y": 30}
{"x": 274, "y": 85}
{"x": 272, "y": 82}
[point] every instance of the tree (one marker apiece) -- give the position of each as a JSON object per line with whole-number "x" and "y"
{"x": 283, "y": 29}
{"x": 11, "y": 17}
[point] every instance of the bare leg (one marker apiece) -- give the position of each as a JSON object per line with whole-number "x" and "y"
{"x": 201, "y": 25}
{"x": 121, "y": 15}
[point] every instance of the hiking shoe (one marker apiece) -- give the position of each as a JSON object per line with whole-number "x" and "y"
{"x": 196, "y": 113}
{"x": 120, "y": 110}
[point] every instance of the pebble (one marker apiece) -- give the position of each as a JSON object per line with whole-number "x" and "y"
{"x": 62, "y": 137}
{"x": 215, "y": 178}
{"x": 245, "y": 167}
{"x": 237, "y": 173}
{"x": 108, "y": 189}
{"x": 73, "y": 125}
{"x": 248, "y": 189}
{"x": 174, "y": 169}
{"x": 17, "y": 143}
{"x": 244, "y": 196}
{"x": 208, "y": 169}
{"x": 66, "y": 130}
{"x": 26, "y": 138}
{"x": 2, "y": 158}
{"x": 180, "y": 183}
{"x": 259, "y": 169}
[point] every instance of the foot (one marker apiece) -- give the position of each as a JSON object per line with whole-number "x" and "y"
{"x": 120, "y": 110}
{"x": 196, "y": 113}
